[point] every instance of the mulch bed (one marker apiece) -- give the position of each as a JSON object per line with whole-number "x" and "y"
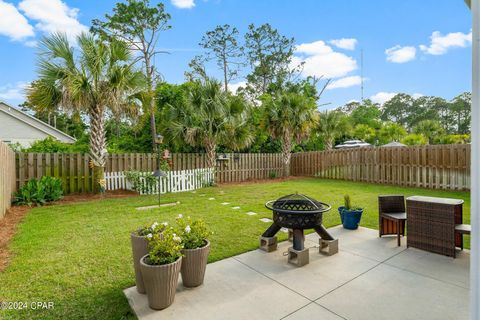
{"x": 8, "y": 225}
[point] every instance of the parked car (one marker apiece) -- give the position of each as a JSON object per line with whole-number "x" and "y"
{"x": 352, "y": 144}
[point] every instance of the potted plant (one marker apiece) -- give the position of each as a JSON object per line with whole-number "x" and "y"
{"x": 350, "y": 215}
{"x": 139, "y": 239}
{"x": 196, "y": 247}
{"x": 161, "y": 267}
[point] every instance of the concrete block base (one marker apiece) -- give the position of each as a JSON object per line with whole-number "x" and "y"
{"x": 298, "y": 257}
{"x": 268, "y": 244}
{"x": 328, "y": 247}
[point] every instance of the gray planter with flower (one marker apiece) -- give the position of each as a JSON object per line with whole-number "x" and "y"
{"x": 160, "y": 282}
{"x": 139, "y": 249}
{"x": 194, "y": 265}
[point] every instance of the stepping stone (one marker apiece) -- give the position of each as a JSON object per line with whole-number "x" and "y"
{"x": 225, "y": 203}
{"x": 211, "y": 198}
{"x": 202, "y": 195}
{"x": 156, "y": 206}
{"x": 235, "y": 208}
{"x": 222, "y": 192}
{"x": 251, "y": 213}
{"x": 266, "y": 220}
{"x": 285, "y": 230}
{"x": 194, "y": 191}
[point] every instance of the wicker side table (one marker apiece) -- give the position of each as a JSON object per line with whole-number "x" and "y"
{"x": 431, "y": 224}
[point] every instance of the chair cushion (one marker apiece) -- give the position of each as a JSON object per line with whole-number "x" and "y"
{"x": 395, "y": 215}
{"x": 463, "y": 228}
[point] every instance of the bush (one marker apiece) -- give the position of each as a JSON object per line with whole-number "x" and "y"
{"x": 193, "y": 232}
{"x": 414, "y": 139}
{"x": 38, "y": 192}
{"x": 164, "y": 248}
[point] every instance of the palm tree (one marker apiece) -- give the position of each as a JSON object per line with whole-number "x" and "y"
{"x": 98, "y": 78}
{"x": 331, "y": 126}
{"x": 289, "y": 117}
{"x": 429, "y": 129}
{"x": 209, "y": 117}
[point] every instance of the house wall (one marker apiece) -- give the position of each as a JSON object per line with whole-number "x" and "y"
{"x": 13, "y": 130}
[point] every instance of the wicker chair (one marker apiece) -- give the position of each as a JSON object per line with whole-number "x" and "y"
{"x": 391, "y": 216}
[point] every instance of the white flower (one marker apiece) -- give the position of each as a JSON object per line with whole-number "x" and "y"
{"x": 154, "y": 225}
{"x": 176, "y": 238}
{"x": 180, "y": 216}
{"x": 188, "y": 229}
{"x": 149, "y": 236}
{"x": 165, "y": 223}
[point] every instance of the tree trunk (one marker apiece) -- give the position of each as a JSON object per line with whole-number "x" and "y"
{"x": 225, "y": 75}
{"x": 286, "y": 154}
{"x": 210, "y": 149}
{"x": 150, "y": 74}
{"x": 152, "y": 123}
{"x": 97, "y": 146}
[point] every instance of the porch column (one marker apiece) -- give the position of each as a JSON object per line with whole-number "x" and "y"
{"x": 475, "y": 165}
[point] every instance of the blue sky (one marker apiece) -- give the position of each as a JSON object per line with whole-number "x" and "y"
{"x": 418, "y": 47}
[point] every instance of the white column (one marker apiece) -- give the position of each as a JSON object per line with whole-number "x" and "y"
{"x": 475, "y": 166}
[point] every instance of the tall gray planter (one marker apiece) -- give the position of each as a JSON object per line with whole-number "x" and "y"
{"x": 194, "y": 265}
{"x": 160, "y": 282}
{"x": 139, "y": 249}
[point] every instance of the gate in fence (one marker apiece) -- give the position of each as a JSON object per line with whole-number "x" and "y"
{"x": 175, "y": 181}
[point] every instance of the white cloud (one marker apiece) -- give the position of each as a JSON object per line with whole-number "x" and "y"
{"x": 344, "y": 43}
{"x": 53, "y": 16}
{"x": 233, "y": 87}
{"x": 345, "y": 82}
{"x": 321, "y": 60}
{"x": 399, "y": 54}
{"x": 13, "y": 92}
{"x": 439, "y": 44}
{"x": 417, "y": 95}
{"x": 382, "y": 97}
{"x": 13, "y": 24}
{"x": 183, "y": 4}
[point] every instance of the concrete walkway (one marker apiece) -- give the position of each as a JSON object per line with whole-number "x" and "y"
{"x": 370, "y": 278}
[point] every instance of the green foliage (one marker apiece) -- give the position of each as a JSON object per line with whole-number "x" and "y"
{"x": 149, "y": 230}
{"x": 453, "y": 139}
{"x": 51, "y": 145}
{"x": 193, "y": 232}
{"x": 331, "y": 126}
{"x": 391, "y": 131}
{"x": 414, "y": 139}
{"x": 164, "y": 248}
{"x": 142, "y": 182}
{"x": 38, "y": 192}
{"x": 272, "y": 174}
{"x": 365, "y": 133}
{"x": 347, "y": 202}
{"x": 429, "y": 129}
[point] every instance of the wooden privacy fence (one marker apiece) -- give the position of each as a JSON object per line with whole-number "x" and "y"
{"x": 175, "y": 181}
{"x": 435, "y": 167}
{"x": 74, "y": 171}
{"x": 7, "y": 177}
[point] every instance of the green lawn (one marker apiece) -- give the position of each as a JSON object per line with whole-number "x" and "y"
{"x": 79, "y": 256}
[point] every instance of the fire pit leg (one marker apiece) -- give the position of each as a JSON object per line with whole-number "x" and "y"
{"x": 298, "y": 239}
{"x": 328, "y": 244}
{"x": 268, "y": 241}
{"x": 323, "y": 233}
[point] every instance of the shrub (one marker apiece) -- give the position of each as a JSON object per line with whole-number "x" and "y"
{"x": 149, "y": 230}
{"x": 136, "y": 177}
{"x": 164, "y": 248}
{"x": 38, "y": 192}
{"x": 193, "y": 232}
{"x": 272, "y": 174}
{"x": 414, "y": 139}
{"x": 348, "y": 203}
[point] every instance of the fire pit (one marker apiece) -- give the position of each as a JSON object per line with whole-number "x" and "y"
{"x": 298, "y": 212}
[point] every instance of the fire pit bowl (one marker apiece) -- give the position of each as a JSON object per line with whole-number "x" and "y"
{"x": 298, "y": 212}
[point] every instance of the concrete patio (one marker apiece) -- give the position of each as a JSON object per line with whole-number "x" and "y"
{"x": 370, "y": 278}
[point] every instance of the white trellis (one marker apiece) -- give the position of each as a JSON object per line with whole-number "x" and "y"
{"x": 175, "y": 181}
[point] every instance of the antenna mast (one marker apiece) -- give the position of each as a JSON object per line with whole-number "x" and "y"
{"x": 361, "y": 73}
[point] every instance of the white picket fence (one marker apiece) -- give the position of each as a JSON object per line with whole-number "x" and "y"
{"x": 175, "y": 181}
